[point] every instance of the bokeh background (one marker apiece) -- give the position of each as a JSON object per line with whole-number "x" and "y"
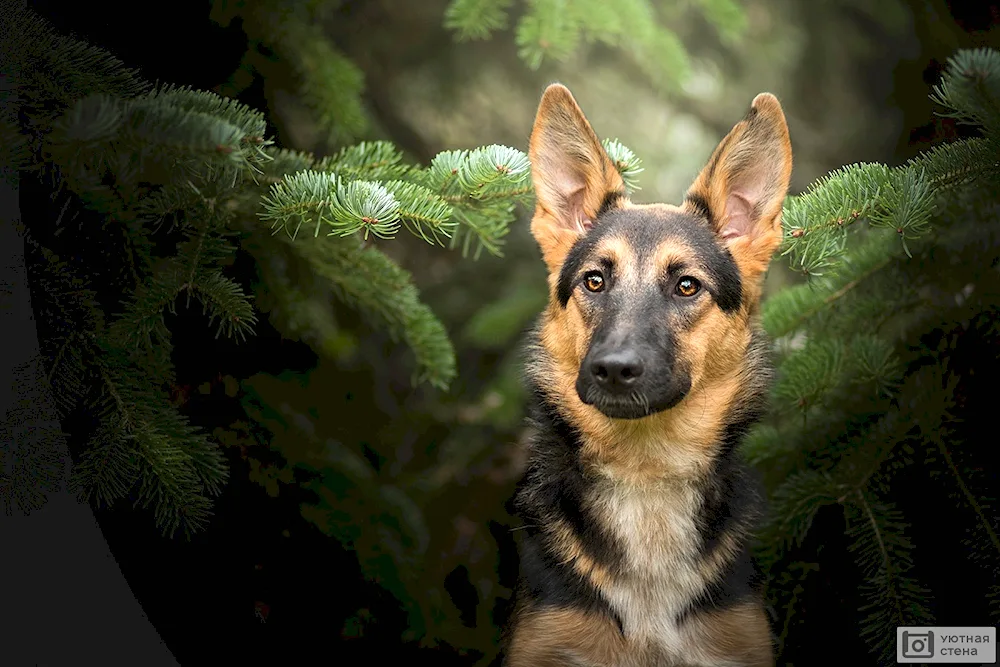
{"x": 367, "y": 519}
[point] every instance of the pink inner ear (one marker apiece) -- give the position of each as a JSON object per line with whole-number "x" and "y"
{"x": 573, "y": 216}
{"x": 738, "y": 210}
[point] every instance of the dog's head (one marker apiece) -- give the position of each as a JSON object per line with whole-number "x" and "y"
{"x": 650, "y": 303}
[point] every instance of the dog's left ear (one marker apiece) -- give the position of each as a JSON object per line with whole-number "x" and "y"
{"x": 743, "y": 186}
{"x": 571, "y": 172}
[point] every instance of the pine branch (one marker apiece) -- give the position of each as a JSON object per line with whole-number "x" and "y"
{"x": 465, "y": 196}
{"x": 475, "y": 190}
{"x": 251, "y": 122}
{"x": 223, "y": 301}
{"x": 839, "y": 338}
{"x": 884, "y": 554}
{"x": 109, "y": 470}
{"x": 548, "y": 30}
{"x": 329, "y": 83}
{"x": 368, "y": 160}
{"x": 793, "y": 506}
{"x": 144, "y": 441}
{"x": 727, "y": 16}
{"x": 959, "y": 163}
{"x": 424, "y": 213}
{"x": 902, "y": 198}
{"x": 970, "y": 88}
{"x": 284, "y": 162}
{"x": 168, "y": 484}
{"x": 794, "y": 307}
{"x": 323, "y": 199}
{"x": 984, "y": 523}
{"x": 54, "y": 71}
{"x": 808, "y": 375}
{"x": 476, "y": 19}
{"x": 174, "y": 202}
{"x": 484, "y": 174}
{"x": 362, "y": 277}
{"x": 142, "y": 323}
{"x": 816, "y": 222}
{"x": 156, "y": 134}
{"x": 68, "y": 306}
{"x": 626, "y": 162}
{"x": 557, "y": 30}
{"x": 482, "y": 186}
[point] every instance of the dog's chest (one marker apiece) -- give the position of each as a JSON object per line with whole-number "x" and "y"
{"x": 657, "y": 527}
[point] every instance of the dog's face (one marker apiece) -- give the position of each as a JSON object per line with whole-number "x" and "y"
{"x": 651, "y": 302}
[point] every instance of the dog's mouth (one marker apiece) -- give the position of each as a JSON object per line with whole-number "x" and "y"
{"x": 634, "y": 405}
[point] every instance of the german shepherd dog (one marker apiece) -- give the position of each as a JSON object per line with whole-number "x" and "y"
{"x": 646, "y": 370}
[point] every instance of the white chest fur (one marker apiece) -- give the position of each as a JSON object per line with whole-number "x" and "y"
{"x": 656, "y": 526}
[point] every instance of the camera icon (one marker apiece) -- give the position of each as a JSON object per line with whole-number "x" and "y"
{"x": 918, "y": 644}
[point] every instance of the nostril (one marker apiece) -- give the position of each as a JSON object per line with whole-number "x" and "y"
{"x": 632, "y": 371}
{"x": 620, "y": 369}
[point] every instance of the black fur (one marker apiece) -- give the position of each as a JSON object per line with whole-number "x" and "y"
{"x": 620, "y": 319}
{"x": 701, "y": 205}
{"x": 556, "y": 484}
{"x": 611, "y": 200}
{"x": 645, "y": 231}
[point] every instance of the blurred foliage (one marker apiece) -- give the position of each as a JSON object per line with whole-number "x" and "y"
{"x": 860, "y": 406}
{"x": 183, "y": 177}
{"x": 324, "y": 78}
{"x": 557, "y": 29}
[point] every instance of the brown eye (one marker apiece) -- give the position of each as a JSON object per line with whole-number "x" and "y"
{"x": 688, "y": 286}
{"x": 594, "y": 281}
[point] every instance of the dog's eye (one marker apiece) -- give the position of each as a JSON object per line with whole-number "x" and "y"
{"x": 593, "y": 281}
{"x": 688, "y": 286}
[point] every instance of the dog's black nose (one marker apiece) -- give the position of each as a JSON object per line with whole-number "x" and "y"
{"x": 617, "y": 370}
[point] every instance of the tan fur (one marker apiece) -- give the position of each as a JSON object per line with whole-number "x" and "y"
{"x": 566, "y": 543}
{"x": 740, "y": 632}
{"x": 578, "y": 174}
{"x": 648, "y": 469}
{"x": 675, "y": 442}
{"x": 568, "y": 637}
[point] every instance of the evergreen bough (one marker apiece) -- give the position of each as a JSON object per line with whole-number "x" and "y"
{"x": 858, "y": 403}
{"x": 179, "y": 179}
{"x": 556, "y": 30}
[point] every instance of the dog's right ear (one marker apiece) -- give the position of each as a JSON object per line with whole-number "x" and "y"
{"x": 571, "y": 172}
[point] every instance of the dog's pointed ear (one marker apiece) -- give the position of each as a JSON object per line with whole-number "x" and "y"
{"x": 572, "y": 174}
{"x": 742, "y": 188}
